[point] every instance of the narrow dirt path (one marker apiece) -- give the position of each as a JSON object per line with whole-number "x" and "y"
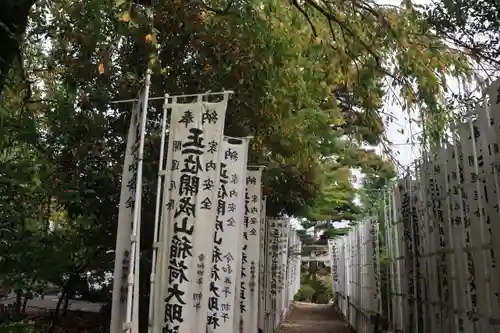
{"x": 314, "y": 318}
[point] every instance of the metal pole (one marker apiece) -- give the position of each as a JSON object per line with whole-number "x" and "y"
{"x": 133, "y": 277}
{"x": 157, "y": 218}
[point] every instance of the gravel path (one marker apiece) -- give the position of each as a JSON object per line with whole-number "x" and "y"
{"x": 314, "y": 318}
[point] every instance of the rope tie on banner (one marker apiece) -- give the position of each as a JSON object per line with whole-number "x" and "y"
{"x": 227, "y": 137}
{"x": 256, "y": 167}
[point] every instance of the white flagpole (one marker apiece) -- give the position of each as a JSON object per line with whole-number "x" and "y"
{"x": 125, "y": 217}
{"x": 132, "y": 323}
{"x": 162, "y": 252}
{"x": 161, "y": 170}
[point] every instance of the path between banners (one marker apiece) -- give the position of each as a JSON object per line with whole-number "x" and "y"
{"x": 313, "y": 318}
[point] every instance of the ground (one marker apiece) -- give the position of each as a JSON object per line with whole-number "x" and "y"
{"x": 50, "y": 301}
{"x": 82, "y": 317}
{"x": 314, "y": 318}
{"x": 303, "y": 318}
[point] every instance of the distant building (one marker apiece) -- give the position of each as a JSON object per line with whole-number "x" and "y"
{"x": 314, "y": 232}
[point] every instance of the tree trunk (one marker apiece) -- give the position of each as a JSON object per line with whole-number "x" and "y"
{"x": 66, "y": 305}
{"x": 55, "y": 315}
{"x": 19, "y": 299}
{"x": 13, "y": 21}
{"x": 25, "y": 305}
{"x": 57, "y": 312}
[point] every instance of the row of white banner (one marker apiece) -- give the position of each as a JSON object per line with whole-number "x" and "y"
{"x": 218, "y": 264}
{"x": 355, "y": 269}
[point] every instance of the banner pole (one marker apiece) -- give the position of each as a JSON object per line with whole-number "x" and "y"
{"x": 159, "y": 186}
{"x": 132, "y": 318}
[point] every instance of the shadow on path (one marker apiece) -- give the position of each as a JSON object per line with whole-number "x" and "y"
{"x": 314, "y": 318}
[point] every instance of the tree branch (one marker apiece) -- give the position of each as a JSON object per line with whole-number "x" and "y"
{"x": 217, "y": 11}
{"x": 295, "y": 3}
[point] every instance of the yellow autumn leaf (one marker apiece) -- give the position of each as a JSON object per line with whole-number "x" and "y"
{"x": 148, "y": 38}
{"x": 101, "y": 68}
{"x": 124, "y": 17}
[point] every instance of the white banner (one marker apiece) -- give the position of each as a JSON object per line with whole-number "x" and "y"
{"x": 333, "y": 267}
{"x": 227, "y": 238}
{"x": 270, "y": 226}
{"x": 282, "y": 257}
{"x": 124, "y": 229}
{"x": 299, "y": 266}
{"x": 331, "y": 254}
{"x": 289, "y": 268}
{"x": 295, "y": 274}
{"x": 262, "y": 266}
{"x": 274, "y": 227}
{"x": 248, "y": 288}
{"x": 188, "y": 220}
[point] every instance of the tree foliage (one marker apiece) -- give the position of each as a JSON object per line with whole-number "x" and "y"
{"x": 473, "y": 26}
